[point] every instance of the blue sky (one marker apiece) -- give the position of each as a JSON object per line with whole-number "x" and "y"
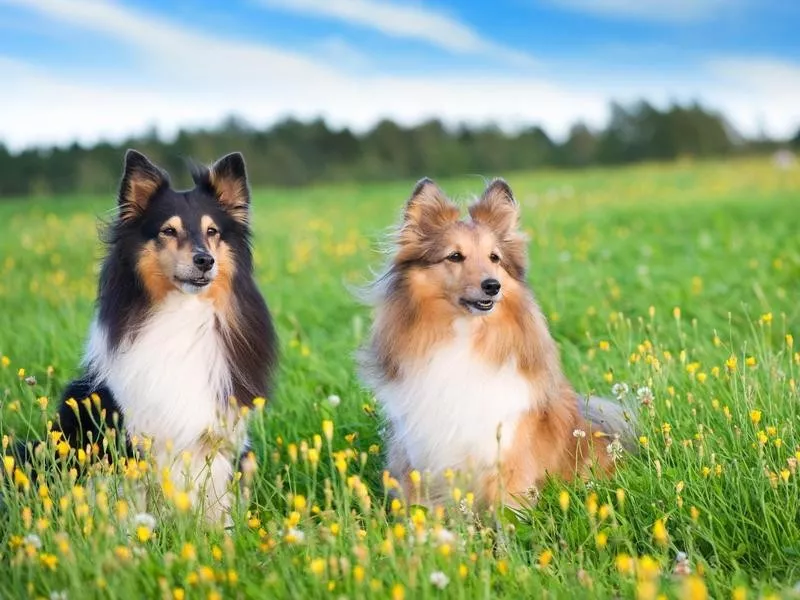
{"x": 105, "y": 69}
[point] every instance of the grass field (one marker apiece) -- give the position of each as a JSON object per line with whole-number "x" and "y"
{"x": 679, "y": 281}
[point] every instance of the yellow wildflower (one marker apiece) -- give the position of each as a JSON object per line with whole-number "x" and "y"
{"x": 694, "y": 588}
{"x": 563, "y": 500}
{"x": 545, "y": 558}
{"x": 317, "y": 566}
{"x": 327, "y": 429}
{"x": 660, "y": 534}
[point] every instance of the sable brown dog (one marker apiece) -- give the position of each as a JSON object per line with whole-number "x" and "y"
{"x": 463, "y": 364}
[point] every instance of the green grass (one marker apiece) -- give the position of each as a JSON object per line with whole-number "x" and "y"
{"x": 682, "y": 278}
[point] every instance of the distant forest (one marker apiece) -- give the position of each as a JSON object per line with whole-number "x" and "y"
{"x": 292, "y": 153}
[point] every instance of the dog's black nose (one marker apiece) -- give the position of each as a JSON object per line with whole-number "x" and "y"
{"x": 490, "y": 286}
{"x": 203, "y": 261}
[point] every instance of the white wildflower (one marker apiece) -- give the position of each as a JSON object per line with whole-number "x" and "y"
{"x": 444, "y": 536}
{"x": 579, "y": 433}
{"x": 439, "y": 580}
{"x": 145, "y": 520}
{"x": 645, "y": 395}
{"x": 33, "y": 540}
{"x": 614, "y": 450}
{"x": 62, "y": 595}
{"x": 334, "y": 400}
{"x": 620, "y": 390}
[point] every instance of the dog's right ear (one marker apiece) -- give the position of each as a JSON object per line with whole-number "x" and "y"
{"x": 141, "y": 179}
{"x": 427, "y": 211}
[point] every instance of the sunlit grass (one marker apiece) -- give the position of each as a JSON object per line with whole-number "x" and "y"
{"x": 673, "y": 286}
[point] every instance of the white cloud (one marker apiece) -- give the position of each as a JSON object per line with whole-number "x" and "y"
{"x": 181, "y": 78}
{"x": 670, "y": 11}
{"x": 407, "y": 21}
{"x": 762, "y": 93}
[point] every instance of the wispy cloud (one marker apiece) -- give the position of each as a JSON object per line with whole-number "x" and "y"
{"x": 411, "y": 21}
{"x": 664, "y": 11}
{"x": 171, "y": 76}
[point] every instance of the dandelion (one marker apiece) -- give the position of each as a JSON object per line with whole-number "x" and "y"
{"x": 182, "y": 501}
{"x": 334, "y": 400}
{"x": 358, "y": 574}
{"x": 739, "y": 593}
{"x": 188, "y": 552}
{"x": 259, "y": 402}
{"x": 645, "y": 395}
{"x": 604, "y": 345}
{"x": 615, "y": 450}
{"x": 5, "y": 361}
{"x": 545, "y": 558}
{"x": 294, "y": 536}
{"x": 624, "y": 563}
{"x": 563, "y": 500}
{"x": 694, "y": 512}
{"x": 620, "y": 390}
{"x": 48, "y": 561}
{"x": 643, "y": 440}
{"x": 21, "y": 373}
{"x": 327, "y": 429}
{"x": 317, "y": 566}
{"x": 8, "y": 464}
{"x": 21, "y": 480}
{"x": 415, "y": 478}
{"x": 398, "y": 592}
{"x": 694, "y": 589}
{"x": 660, "y": 534}
{"x": 750, "y": 361}
{"x": 601, "y": 539}
{"x": 439, "y": 580}
{"x": 143, "y": 533}
{"x": 755, "y": 416}
{"x": 731, "y": 363}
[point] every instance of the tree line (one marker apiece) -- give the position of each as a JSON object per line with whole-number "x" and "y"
{"x": 293, "y": 153}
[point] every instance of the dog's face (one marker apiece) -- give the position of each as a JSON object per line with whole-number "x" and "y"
{"x": 470, "y": 264}
{"x": 184, "y": 241}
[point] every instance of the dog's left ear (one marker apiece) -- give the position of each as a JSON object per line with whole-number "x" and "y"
{"x": 497, "y": 208}
{"x": 228, "y": 179}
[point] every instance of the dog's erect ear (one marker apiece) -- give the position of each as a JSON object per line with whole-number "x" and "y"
{"x": 228, "y": 179}
{"x": 427, "y": 211}
{"x": 141, "y": 179}
{"x": 497, "y": 208}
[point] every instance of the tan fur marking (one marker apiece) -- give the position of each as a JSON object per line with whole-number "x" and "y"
{"x": 221, "y": 289}
{"x": 137, "y": 196}
{"x": 232, "y": 194}
{"x": 155, "y": 281}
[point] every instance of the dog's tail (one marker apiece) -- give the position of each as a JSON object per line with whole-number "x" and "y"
{"x": 612, "y": 418}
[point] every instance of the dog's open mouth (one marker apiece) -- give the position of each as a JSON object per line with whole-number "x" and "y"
{"x": 478, "y": 305}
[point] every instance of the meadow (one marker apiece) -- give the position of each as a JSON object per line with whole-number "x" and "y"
{"x": 672, "y": 286}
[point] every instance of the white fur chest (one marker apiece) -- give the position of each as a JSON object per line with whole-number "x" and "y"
{"x": 446, "y": 407}
{"x": 173, "y": 381}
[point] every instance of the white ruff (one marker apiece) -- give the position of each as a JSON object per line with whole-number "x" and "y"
{"x": 172, "y": 383}
{"x": 445, "y": 408}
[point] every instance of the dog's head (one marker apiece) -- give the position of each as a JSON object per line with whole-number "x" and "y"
{"x": 471, "y": 264}
{"x": 183, "y": 240}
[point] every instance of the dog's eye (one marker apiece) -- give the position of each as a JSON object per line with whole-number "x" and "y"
{"x": 494, "y": 258}
{"x": 169, "y": 232}
{"x": 456, "y": 257}
{"x": 212, "y": 231}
